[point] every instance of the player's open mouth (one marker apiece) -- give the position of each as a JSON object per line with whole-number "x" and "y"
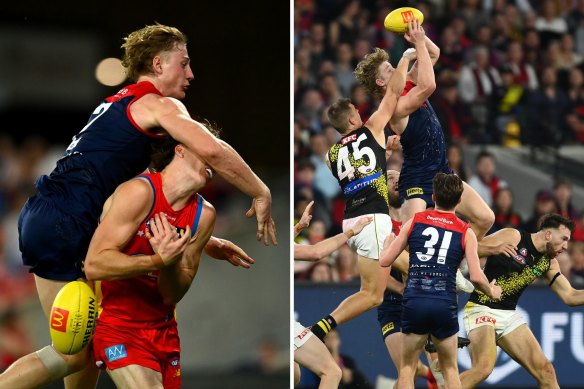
{"x": 209, "y": 173}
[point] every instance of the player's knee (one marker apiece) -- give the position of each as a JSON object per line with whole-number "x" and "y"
{"x": 483, "y": 370}
{"x": 296, "y": 373}
{"x": 333, "y": 371}
{"x": 77, "y": 362}
{"x": 376, "y": 300}
{"x": 545, "y": 372}
{"x": 486, "y": 219}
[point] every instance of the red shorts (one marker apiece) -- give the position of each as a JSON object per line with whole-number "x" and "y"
{"x": 157, "y": 349}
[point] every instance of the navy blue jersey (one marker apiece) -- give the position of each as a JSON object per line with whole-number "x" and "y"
{"x": 424, "y": 150}
{"x": 358, "y": 162}
{"x": 436, "y": 241}
{"x": 109, "y": 150}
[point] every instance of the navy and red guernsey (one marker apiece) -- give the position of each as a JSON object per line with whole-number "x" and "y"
{"x": 424, "y": 150}
{"x": 436, "y": 241}
{"x": 136, "y": 302}
{"x": 108, "y": 151}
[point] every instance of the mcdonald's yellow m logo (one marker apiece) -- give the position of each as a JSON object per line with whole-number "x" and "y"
{"x": 59, "y": 319}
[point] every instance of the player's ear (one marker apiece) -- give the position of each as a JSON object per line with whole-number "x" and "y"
{"x": 179, "y": 150}
{"x": 157, "y": 64}
{"x": 379, "y": 82}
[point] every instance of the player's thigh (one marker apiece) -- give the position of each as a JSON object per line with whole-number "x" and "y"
{"x": 135, "y": 376}
{"x": 394, "y": 343}
{"x": 47, "y": 291}
{"x": 447, "y": 351}
{"x": 483, "y": 346}
{"x": 410, "y": 207}
{"x": 314, "y": 355}
{"x": 523, "y": 347}
{"x": 472, "y": 206}
{"x": 412, "y": 346}
{"x": 373, "y": 276}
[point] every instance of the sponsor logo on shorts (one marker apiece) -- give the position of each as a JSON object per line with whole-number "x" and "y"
{"x": 519, "y": 259}
{"x": 388, "y": 327}
{"x": 348, "y": 139}
{"x": 414, "y": 191}
{"x": 303, "y": 334}
{"x": 485, "y": 319}
{"x": 59, "y": 318}
{"x": 116, "y": 352}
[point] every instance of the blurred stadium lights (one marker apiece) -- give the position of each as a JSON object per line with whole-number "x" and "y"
{"x": 110, "y": 72}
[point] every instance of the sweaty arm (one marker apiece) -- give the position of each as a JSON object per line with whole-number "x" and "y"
{"x": 477, "y": 277}
{"x": 327, "y": 246}
{"x": 126, "y": 209}
{"x": 425, "y": 86}
{"x": 562, "y": 287}
{"x": 152, "y": 111}
{"x": 175, "y": 280}
{"x": 503, "y": 241}
{"x": 433, "y": 51}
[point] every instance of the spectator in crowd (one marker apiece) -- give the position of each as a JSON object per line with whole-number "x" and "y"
{"x": 544, "y": 204}
{"x": 344, "y": 68}
{"x": 321, "y": 271}
{"x": 346, "y": 264}
{"x": 576, "y": 251}
{"x": 353, "y": 378}
{"x": 523, "y": 73}
{"x": 485, "y": 180}
{"x": 456, "y": 161}
{"x": 344, "y": 29}
{"x": 563, "y": 199}
{"x": 548, "y": 109}
{"x": 505, "y": 215}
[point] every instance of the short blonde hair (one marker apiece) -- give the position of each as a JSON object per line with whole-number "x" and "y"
{"x": 141, "y": 46}
{"x": 367, "y": 71}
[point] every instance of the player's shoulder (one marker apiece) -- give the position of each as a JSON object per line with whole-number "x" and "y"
{"x": 140, "y": 188}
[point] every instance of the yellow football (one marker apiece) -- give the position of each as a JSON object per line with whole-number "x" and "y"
{"x": 73, "y": 317}
{"x": 397, "y": 20}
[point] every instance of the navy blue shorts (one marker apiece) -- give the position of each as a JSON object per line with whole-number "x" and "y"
{"x": 389, "y": 317}
{"x": 52, "y": 242}
{"x": 438, "y": 317}
{"x": 418, "y": 185}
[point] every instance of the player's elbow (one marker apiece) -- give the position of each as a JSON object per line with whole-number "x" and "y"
{"x": 90, "y": 269}
{"x": 429, "y": 88}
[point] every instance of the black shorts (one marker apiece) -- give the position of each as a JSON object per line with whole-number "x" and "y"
{"x": 53, "y": 243}
{"x": 389, "y": 318}
{"x": 438, "y": 317}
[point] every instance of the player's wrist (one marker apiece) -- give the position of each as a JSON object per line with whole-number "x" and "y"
{"x": 157, "y": 261}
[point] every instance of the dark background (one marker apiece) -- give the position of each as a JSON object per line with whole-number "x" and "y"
{"x": 239, "y": 54}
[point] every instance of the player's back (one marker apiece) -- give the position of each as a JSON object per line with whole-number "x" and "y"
{"x": 136, "y": 301}
{"x": 436, "y": 241}
{"x": 358, "y": 162}
{"x": 423, "y": 143}
{"x": 109, "y": 150}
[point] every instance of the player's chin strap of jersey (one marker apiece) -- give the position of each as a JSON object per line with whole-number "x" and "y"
{"x": 53, "y": 361}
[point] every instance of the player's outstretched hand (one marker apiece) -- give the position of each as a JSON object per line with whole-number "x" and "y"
{"x": 306, "y": 217}
{"x": 411, "y": 54}
{"x": 392, "y": 143}
{"x": 226, "y": 250}
{"x": 495, "y": 290}
{"x": 361, "y": 223}
{"x": 262, "y": 208}
{"x": 416, "y": 33}
{"x": 165, "y": 240}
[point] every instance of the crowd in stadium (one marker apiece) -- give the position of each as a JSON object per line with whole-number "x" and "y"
{"x": 510, "y": 73}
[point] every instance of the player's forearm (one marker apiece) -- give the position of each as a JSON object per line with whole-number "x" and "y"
{"x": 433, "y": 50}
{"x": 398, "y": 79}
{"x": 425, "y": 79}
{"x": 321, "y": 249}
{"x": 174, "y": 282}
{"x": 113, "y": 265}
{"x": 229, "y": 165}
{"x": 481, "y": 282}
